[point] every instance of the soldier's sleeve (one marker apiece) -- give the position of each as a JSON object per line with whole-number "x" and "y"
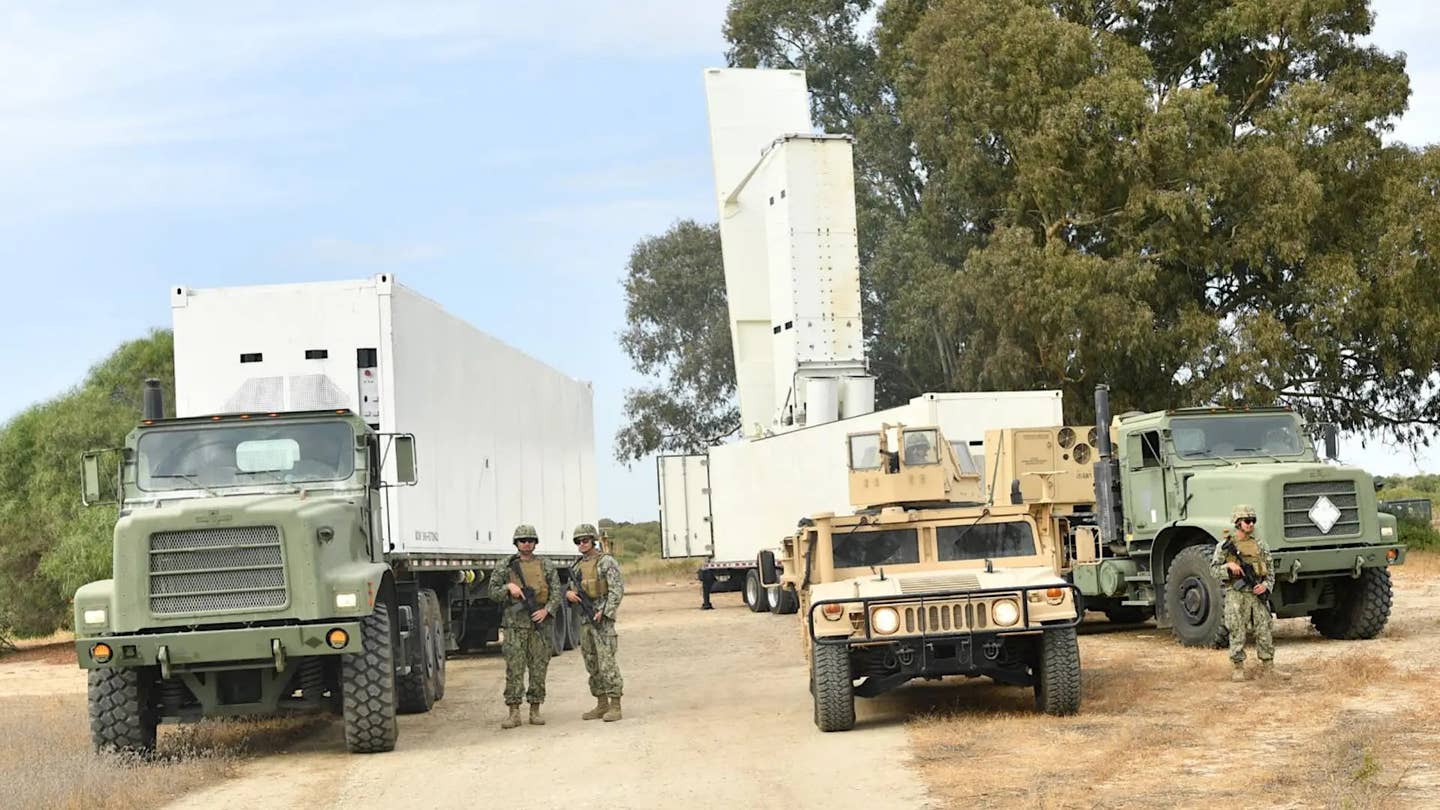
{"x": 1217, "y": 563}
{"x": 552, "y": 578}
{"x": 499, "y": 578}
{"x": 614, "y": 585}
{"x": 1269, "y": 565}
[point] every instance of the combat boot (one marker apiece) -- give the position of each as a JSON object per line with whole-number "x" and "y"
{"x": 613, "y": 713}
{"x": 1237, "y": 670}
{"x": 602, "y": 705}
{"x": 513, "y": 720}
{"x": 535, "y": 718}
{"x": 1268, "y": 671}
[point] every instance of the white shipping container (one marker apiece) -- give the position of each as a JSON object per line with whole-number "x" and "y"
{"x": 757, "y": 490}
{"x": 502, "y": 438}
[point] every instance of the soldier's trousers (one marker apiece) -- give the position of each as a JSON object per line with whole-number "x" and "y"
{"x": 1247, "y": 616}
{"x": 598, "y": 646}
{"x": 527, "y": 649}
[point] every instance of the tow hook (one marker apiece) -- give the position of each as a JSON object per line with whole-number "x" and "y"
{"x": 906, "y": 656}
{"x": 1294, "y": 571}
{"x": 1359, "y": 566}
{"x": 992, "y": 650}
{"x": 162, "y": 657}
{"x": 277, "y": 652}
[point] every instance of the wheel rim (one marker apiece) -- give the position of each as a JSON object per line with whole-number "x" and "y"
{"x": 750, "y": 591}
{"x": 1194, "y": 601}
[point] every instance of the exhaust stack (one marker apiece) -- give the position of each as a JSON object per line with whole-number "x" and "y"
{"x": 153, "y": 404}
{"x": 1107, "y": 472}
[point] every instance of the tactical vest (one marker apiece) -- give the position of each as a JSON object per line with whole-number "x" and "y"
{"x": 534, "y": 577}
{"x": 1249, "y": 549}
{"x": 590, "y": 579}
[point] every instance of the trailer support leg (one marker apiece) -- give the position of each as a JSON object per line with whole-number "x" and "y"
{"x": 707, "y": 581}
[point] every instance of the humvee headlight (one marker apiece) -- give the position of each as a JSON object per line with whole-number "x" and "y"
{"x": 885, "y": 620}
{"x": 95, "y": 616}
{"x": 101, "y": 653}
{"x": 345, "y": 601}
{"x": 1005, "y": 612}
{"x": 833, "y": 612}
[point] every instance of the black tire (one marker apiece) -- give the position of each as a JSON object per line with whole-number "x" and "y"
{"x": 367, "y": 682}
{"x": 417, "y": 688}
{"x": 438, "y": 636}
{"x": 1128, "y": 614}
{"x": 788, "y": 602}
{"x": 755, "y": 595}
{"x": 1057, "y": 681}
{"x": 559, "y": 631}
{"x": 1195, "y": 599}
{"x": 121, "y": 717}
{"x": 1362, "y": 607}
{"x": 832, "y": 687}
{"x": 572, "y": 636}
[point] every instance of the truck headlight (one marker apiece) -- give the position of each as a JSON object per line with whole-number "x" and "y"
{"x": 95, "y": 616}
{"x": 1387, "y": 531}
{"x": 1005, "y": 612}
{"x": 345, "y": 601}
{"x": 885, "y": 620}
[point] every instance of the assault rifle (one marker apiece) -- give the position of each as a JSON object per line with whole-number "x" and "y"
{"x": 587, "y": 605}
{"x": 527, "y": 593}
{"x": 1248, "y": 578}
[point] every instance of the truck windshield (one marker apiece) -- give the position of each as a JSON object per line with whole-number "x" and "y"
{"x": 244, "y": 455}
{"x": 983, "y": 541}
{"x": 866, "y": 549}
{"x": 1222, "y": 436}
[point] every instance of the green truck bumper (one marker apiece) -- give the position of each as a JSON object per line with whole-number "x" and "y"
{"x": 1293, "y": 565}
{"x": 220, "y": 649}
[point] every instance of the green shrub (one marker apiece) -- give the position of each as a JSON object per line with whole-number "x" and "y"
{"x": 1418, "y": 535}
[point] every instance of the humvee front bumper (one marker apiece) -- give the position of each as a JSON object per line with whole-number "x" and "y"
{"x": 244, "y": 647}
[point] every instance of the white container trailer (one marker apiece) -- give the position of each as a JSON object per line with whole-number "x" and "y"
{"x": 741, "y": 498}
{"x": 503, "y": 439}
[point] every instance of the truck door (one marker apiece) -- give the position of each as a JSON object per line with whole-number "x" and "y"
{"x": 1144, "y": 497}
{"x": 685, "y": 526}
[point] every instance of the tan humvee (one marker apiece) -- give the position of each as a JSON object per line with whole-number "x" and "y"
{"x": 925, "y": 580}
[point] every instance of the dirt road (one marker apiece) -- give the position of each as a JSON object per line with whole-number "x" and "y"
{"x": 717, "y": 714}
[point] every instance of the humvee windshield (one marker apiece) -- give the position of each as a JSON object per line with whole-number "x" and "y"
{"x": 1256, "y": 435}
{"x": 244, "y": 455}
{"x": 983, "y": 541}
{"x": 866, "y": 549}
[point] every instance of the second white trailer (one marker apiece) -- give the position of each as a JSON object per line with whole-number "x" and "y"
{"x": 738, "y": 499}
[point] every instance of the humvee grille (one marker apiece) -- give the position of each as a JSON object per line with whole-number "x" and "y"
{"x": 1300, "y": 498}
{"x": 944, "y": 617}
{"x": 207, "y": 570}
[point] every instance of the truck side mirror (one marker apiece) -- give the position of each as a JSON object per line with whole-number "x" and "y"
{"x": 1332, "y": 441}
{"x": 405, "y": 470}
{"x": 90, "y": 477}
{"x": 769, "y": 575}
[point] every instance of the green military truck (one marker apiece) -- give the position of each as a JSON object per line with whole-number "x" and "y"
{"x": 1165, "y": 483}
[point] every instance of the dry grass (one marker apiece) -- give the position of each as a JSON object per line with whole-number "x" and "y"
{"x": 651, "y": 571}
{"x": 1419, "y": 564}
{"x": 46, "y": 761}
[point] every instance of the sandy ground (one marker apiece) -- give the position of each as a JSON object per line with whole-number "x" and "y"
{"x": 717, "y": 714}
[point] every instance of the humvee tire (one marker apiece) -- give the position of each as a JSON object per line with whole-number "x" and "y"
{"x": 787, "y": 602}
{"x": 417, "y": 689}
{"x": 121, "y": 718}
{"x": 1362, "y": 607}
{"x": 367, "y": 685}
{"x": 1057, "y": 684}
{"x": 755, "y": 595}
{"x": 832, "y": 687}
{"x": 1195, "y": 600}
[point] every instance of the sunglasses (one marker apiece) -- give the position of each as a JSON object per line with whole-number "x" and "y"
{"x": 580, "y": 540}
{"x": 1251, "y": 521}
{"x": 527, "y": 540}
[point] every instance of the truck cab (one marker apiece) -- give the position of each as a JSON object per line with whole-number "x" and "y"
{"x": 249, "y": 577}
{"x": 926, "y": 580}
{"x": 1165, "y": 488}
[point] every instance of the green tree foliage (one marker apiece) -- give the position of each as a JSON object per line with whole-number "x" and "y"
{"x": 679, "y": 333}
{"x": 632, "y": 541}
{"x": 49, "y": 543}
{"x": 1190, "y": 200}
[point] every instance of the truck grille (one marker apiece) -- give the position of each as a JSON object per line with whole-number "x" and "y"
{"x": 205, "y": 570}
{"x": 1301, "y": 497}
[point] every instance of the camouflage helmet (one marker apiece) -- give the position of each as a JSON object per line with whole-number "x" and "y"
{"x": 585, "y": 530}
{"x": 1241, "y": 511}
{"x": 526, "y": 532}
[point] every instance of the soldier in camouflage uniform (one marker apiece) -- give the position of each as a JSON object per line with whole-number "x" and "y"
{"x": 529, "y": 642}
{"x": 598, "y": 575}
{"x": 1247, "y": 610}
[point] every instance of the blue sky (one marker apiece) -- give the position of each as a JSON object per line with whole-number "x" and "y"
{"x": 501, "y": 159}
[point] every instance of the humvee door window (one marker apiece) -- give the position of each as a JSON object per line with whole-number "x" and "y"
{"x": 982, "y": 541}
{"x": 921, "y": 447}
{"x": 867, "y": 549}
{"x": 865, "y": 452}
